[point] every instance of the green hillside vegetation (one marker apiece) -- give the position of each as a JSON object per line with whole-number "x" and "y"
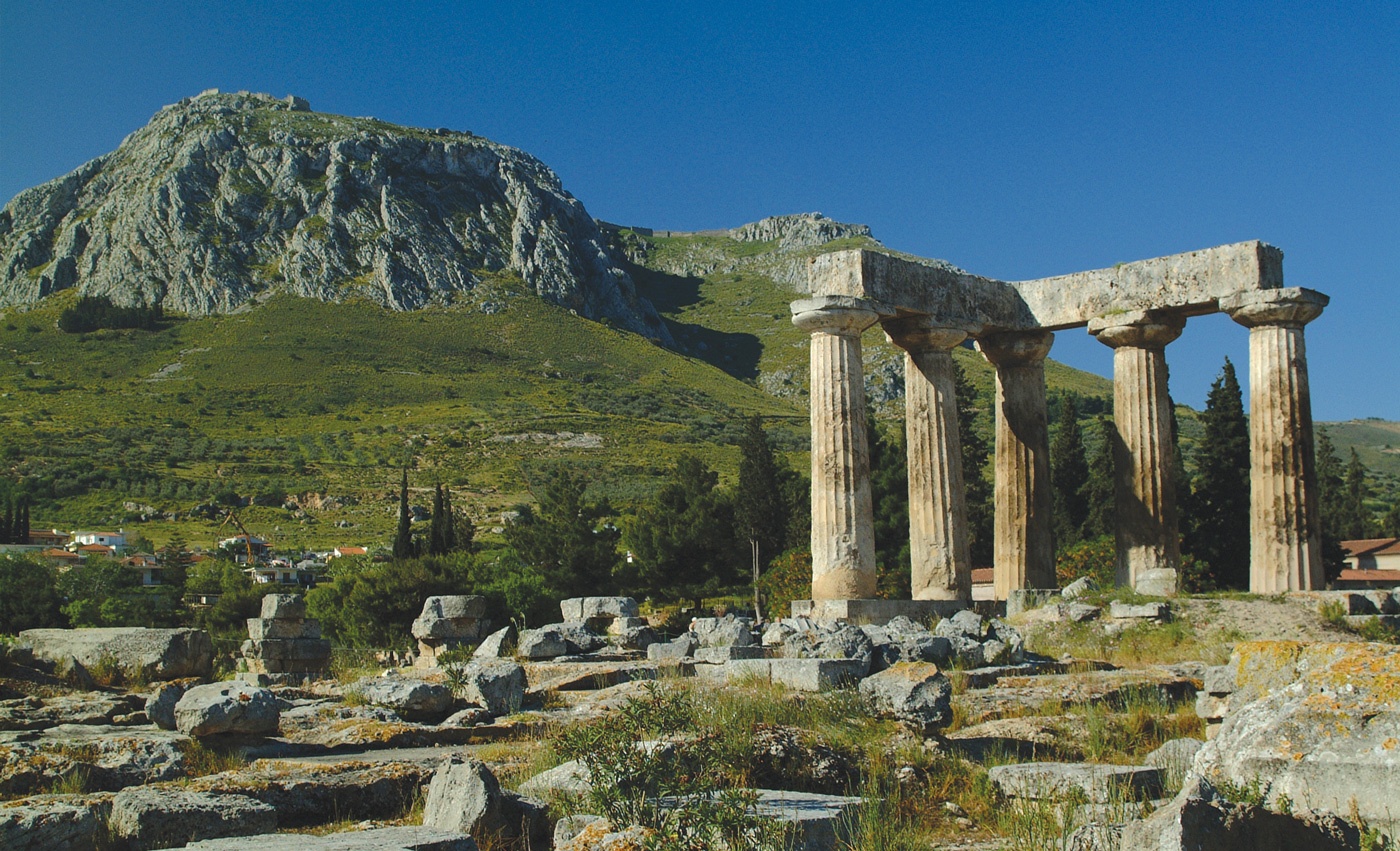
{"x": 294, "y": 396}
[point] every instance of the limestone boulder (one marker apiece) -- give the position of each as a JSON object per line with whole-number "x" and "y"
{"x": 146, "y": 817}
{"x": 68, "y": 823}
{"x": 160, "y": 706}
{"x": 228, "y": 707}
{"x": 36, "y": 713}
{"x": 904, "y": 640}
{"x": 1098, "y": 783}
{"x": 1157, "y": 582}
{"x": 410, "y": 699}
{"x": 498, "y": 685}
{"x": 913, "y": 692}
{"x": 1317, "y": 723}
{"x": 1198, "y": 818}
{"x": 155, "y": 654}
{"x": 965, "y": 624}
{"x": 571, "y": 778}
{"x": 111, "y": 758}
{"x": 445, "y": 618}
{"x": 464, "y": 796}
{"x": 283, "y": 607}
{"x": 496, "y": 645}
{"x": 590, "y": 608}
{"x": 1079, "y": 588}
{"x": 728, "y": 631}
{"x": 681, "y": 647}
{"x": 542, "y": 643}
{"x": 831, "y": 641}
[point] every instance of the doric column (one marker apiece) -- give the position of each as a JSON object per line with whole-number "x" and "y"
{"x": 941, "y": 566}
{"x": 1144, "y": 454}
{"x": 1023, "y": 550}
{"x": 843, "y": 530}
{"x": 1285, "y": 539}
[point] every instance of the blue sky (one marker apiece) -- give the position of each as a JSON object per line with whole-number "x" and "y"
{"x": 1016, "y": 140}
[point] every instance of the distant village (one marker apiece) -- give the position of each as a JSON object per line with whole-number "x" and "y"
{"x": 257, "y": 557}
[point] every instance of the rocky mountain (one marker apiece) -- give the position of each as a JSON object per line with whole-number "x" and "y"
{"x": 224, "y": 199}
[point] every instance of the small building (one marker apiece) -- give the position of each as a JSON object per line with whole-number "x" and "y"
{"x": 982, "y": 584}
{"x": 1373, "y": 554}
{"x": 48, "y": 538}
{"x": 60, "y": 558}
{"x": 280, "y": 571}
{"x": 99, "y": 550}
{"x": 152, "y": 573}
{"x": 115, "y": 540}
{"x": 348, "y": 551}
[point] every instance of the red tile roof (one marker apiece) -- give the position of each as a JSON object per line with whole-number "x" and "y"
{"x": 1389, "y": 577}
{"x": 982, "y": 576}
{"x": 1372, "y": 546}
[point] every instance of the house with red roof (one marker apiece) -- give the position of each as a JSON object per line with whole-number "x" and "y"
{"x": 1371, "y": 563}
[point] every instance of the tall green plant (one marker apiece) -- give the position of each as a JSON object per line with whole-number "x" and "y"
{"x": 682, "y": 538}
{"x": 565, "y": 538}
{"x": 1069, "y": 476}
{"x": 1219, "y": 534}
{"x": 976, "y": 452}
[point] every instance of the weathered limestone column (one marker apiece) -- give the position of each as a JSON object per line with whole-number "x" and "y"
{"x": 843, "y": 529}
{"x": 1023, "y": 553}
{"x": 1285, "y": 538}
{"x": 941, "y": 566}
{"x": 1144, "y": 454}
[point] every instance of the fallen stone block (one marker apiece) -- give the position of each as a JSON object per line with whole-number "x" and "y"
{"x": 229, "y": 707}
{"x": 723, "y": 632}
{"x": 589, "y": 608}
{"x": 720, "y": 655}
{"x": 155, "y": 654}
{"x": 800, "y": 674}
{"x": 1157, "y": 582}
{"x": 305, "y": 794}
{"x": 1059, "y": 780}
{"x": 914, "y": 692}
{"x": 412, "y": 700}
{"x": 498, "y": 685}
{"x": 263, "y": 628}
{"x": 681, "y": 648}
{"x": 148, "y": 817}
{"x": 1079, "y": 588}
{"x": 570, "y": 778}
{"x": 283, "y": 607}
{"x": 496, "y": 645}
{"x": 1143, "y": 611}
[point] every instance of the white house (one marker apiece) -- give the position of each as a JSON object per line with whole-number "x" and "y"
{"x": 115, "y": 540}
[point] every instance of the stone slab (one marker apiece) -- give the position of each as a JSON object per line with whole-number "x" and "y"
{"x": 1157, "y": 582}
{"x": 874, "y": 612}
{"x": 1057, "y": 780}
{"x": 1024, "y": 599}
{"x": 589, "y": 608}
{"x": 720, "y": 655}
{"x": 411, "y": 838}
{"x": 282, "y": 628}
{"x": 162, "y": 654}
{"x": 1141, "y": 611}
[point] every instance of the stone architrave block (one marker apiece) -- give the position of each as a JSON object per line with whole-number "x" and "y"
{"x": 283, "y": 607}
{"x": 799, "y": 674}
{"x": 595, "y": 608}
{"x": 1157, "y": 582}
{"x": 260, "y": 629}
{"x": 719, "y": 655}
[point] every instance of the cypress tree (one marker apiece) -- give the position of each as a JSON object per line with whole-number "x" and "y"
{"x": 1069, "y": 475}
{"x": 22, "y": 526}
{"x": 1220, "y": 534}
{"x": 1330, "y": 505}
{"x": 403, "y": 538}
{"x": 1101, "y": 506}
{"x": 1356, "y": 518}
{"x": 437, "y": 538}
{"x": 7, "y": 523}
{"x": 762, "y": 511}
{"x": 981, "y": 508}
{"x": 889, "y": 494}
{"x": 449, "y": 532}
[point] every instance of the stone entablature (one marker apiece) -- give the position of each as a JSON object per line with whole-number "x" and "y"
{"x": 928, "y": 306}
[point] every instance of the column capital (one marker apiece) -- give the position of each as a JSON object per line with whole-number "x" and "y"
{"x": 1016, "y": 348}
{"x": 1140, "y": 329}
{"x": 922, "y": 333}
{"x": 1291, "y": 307}
{"x": 834, "y": 315}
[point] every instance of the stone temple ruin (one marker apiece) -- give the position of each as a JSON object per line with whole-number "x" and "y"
{"x": 927, "y": 307}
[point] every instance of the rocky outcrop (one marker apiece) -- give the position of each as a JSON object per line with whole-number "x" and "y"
{"x": 225, "y": 198}
{"x": 803, "y": 230}
{"x": 1200, "y": 818}
{"x": 1315, "y": 724}
{"x": 152, "y": 654}
{"x": 410, "y": 699}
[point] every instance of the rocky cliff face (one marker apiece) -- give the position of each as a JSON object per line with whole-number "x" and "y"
{"x": 225, "y": 198}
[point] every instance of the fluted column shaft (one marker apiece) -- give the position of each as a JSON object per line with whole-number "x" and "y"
{"x": 1144, "y": 453}
{"x": 843, "y": 530}
{"x": 941, "y": 568}
{"x": 1023, "y": 551}
{"x": 1285, "y": 547}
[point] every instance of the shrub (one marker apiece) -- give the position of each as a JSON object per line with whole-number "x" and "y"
{"x": 1096, "y": 559}
{"x": 788, "y": 578}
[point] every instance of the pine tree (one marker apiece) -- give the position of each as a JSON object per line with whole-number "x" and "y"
{"x": 1069, "y": 473}
{"x": 978, "y": 489}
{"x": 681, "y": 536}
{"x": 563, "y": 538}
{"x": 1330, "y": 505}
{"x": 1101, "y": 504}
{"x": 403, "y": 538}
{"x": 1220, "y": 534}
{"x": 7, "y": 523}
